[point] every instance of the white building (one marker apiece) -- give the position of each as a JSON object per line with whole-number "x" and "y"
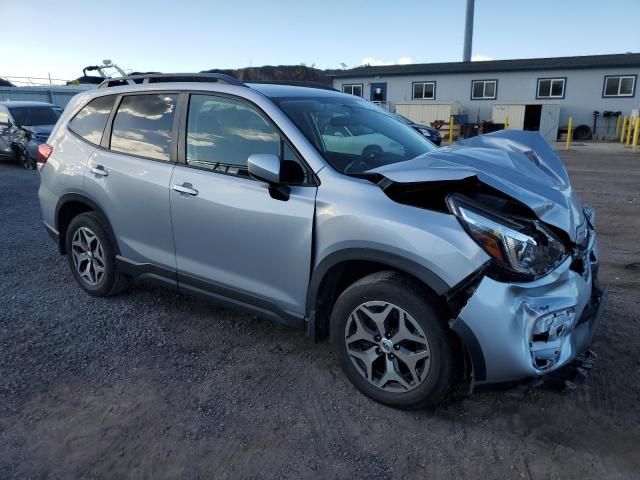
{"x": 535, "y": 94}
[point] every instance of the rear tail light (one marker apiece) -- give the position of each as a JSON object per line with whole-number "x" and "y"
{"x": 44, "y": 151}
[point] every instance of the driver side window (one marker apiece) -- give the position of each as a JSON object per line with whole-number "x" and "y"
{"x": 223, "y": 132}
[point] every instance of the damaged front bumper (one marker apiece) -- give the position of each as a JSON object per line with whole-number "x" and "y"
{"x": 518, "y": 330}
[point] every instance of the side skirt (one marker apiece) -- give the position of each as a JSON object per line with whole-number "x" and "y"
{"x": 211, "y": 291}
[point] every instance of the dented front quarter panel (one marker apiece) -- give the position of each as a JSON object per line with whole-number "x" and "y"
{"x": 356, "y": 214}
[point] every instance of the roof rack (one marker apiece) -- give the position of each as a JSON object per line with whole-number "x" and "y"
{"x": 171, "y": 77}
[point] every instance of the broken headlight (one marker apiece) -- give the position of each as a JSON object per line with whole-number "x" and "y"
{"x": 519, "y": 245}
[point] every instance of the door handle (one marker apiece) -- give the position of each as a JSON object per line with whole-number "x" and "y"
{"x": 186, "y": 188}
{"x": 99, "y": 170}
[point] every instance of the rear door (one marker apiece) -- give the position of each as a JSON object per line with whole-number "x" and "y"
{"x": 232, "y": 236}
{"x": 129, "y": 175}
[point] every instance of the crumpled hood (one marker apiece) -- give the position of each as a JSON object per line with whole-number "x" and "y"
{"x": 519, "y": 164}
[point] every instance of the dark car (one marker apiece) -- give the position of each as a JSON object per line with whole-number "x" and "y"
{"x": 24, "y": 126}
{"x": 429, "y": 132}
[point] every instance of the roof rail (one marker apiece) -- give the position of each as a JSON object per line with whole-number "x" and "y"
{"x": 171, "y": 77}
{"x": 296, "y": 83}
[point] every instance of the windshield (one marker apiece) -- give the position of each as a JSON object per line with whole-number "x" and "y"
{"x": 353, "y": 135}
{"x": 35, "y": 116}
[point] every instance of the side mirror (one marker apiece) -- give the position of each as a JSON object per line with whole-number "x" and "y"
{"x": 265, "y": 167}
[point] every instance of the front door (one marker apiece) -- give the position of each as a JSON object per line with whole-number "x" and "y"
{"x": 378, "y": 92}
{"x": 232, "y": 237}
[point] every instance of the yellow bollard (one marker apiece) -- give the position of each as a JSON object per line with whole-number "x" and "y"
{"x": 636, "y": 134}
{"x": 624, "y": 127}
{"x": 450, "y": 129}
{"x": 629, "y": 130}
{"x": 506, "y": 123}
{"x": 617, "y": 125}
{"x": 569, "y": 133}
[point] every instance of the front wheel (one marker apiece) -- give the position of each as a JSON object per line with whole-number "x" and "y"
{"x": 392, "y": 341}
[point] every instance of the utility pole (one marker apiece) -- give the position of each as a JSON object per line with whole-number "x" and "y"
{"x": 468, "y": 31}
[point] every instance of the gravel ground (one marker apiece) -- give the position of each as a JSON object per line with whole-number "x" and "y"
{"x": 155, "y": 384}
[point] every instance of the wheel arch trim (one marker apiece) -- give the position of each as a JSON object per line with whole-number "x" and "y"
{"x": 81, "y": 198}
{"x": 398, "y": 262}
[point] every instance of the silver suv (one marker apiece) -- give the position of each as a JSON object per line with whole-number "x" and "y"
{"x": 428, "y": 267}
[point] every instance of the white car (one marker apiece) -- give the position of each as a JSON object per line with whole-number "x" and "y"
{"x": 345, "y": 141}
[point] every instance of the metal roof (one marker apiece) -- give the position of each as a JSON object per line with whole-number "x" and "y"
{"x": 624, "y": 60}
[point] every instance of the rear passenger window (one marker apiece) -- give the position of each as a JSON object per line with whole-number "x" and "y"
{"x": 222, "y": 133}
{"x": 142, "y": 126}
{"x": 89, "y": 122}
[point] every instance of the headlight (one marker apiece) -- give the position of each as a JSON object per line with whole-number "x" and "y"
{"x": 425, "y": 132}
{"x": 522, "y": 246}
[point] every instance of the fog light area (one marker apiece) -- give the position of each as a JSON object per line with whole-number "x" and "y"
{"x": 547, "y": 335}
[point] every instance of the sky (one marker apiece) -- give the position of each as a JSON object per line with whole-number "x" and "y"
{"x": 59, "y": 38}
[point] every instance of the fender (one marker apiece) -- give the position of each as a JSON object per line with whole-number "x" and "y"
{"x": 432, "y": 280}
{"x": 82, "y": 198}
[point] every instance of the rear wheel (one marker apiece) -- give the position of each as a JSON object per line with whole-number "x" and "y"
{"x": 91, "y": 254}
{"x": 392, "y": 341}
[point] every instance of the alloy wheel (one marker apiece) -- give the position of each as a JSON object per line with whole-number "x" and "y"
{"x": 387, "y": 346}
{"x": 88, "y": 256}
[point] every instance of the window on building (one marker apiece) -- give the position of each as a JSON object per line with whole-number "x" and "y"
{"x": 424, "y": 90}
{"x": 222, "y": 133}
{"x": 619, "y": 86}
{"x": 551, "y": 87}
{"x": 483, "y": 89}
{"x": 142, "y": 125}
{"x": 89, "y": 122}
{"x": 353, "y": 89}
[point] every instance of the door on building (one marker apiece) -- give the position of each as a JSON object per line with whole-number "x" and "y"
{"x": 378, "y": 92}
{"x": 549, "y": 120}
{"x": 532, "y": 117}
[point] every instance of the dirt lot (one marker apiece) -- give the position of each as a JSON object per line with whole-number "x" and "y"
{"x": 154, "y": 384}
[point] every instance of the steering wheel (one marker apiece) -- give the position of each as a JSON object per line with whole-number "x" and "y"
{"x": 362, "y": 163}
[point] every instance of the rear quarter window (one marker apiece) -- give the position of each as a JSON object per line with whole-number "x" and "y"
{"x": 89, "y": 122}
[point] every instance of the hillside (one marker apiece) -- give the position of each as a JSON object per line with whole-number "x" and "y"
{"x": 275, "y": 73}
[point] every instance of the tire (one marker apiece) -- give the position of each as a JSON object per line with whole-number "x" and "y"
{"x": 101, "y": 278}
{"x": 407, "y": 383}
{"x": 26, "y": 161}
